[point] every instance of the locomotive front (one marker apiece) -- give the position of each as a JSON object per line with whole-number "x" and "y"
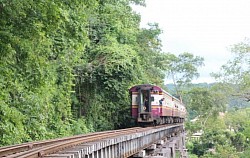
{"x": 152, "y": 105}
{"x": 143, "y": 98}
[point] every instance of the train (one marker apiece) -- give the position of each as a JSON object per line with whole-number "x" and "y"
{"x": 151, "y": 105}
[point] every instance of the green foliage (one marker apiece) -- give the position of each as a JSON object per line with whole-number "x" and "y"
{"x": 228, "y": 134}
{"x": 111, "y": 65}
{"x": 237, "y": 71}
{"x": 183, "y": 69}
{"x": 226, "y": 151}
{"x": 151, "y": 59}
{"x": 192, "y": 156}
{"x": 192, "y": 126}
{"x": 215, "y": 123}
{"x": 41, "y": 41}
{"x": 80, "y": 127}
{"x": 213, "y": 140}
{"x": 245, "y": 154}
{"x": 238, "y": 120}
{"x": 224, "y": 136}
{"x": 222, "y": 151}
{"x": 66, "y": 67}
{"x": 205, "y": 102}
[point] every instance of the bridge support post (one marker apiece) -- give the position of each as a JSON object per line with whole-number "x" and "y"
{"x": 152, "y": 147}
{"x": 140, "y": 154}
{"x": 167, "y": 147}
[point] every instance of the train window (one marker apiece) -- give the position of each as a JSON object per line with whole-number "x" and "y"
{"x": 155, "y": 91}
{"x": 137, "y": 100}
{"x": 152, "y": 99}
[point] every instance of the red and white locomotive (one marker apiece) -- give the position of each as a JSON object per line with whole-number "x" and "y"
{"x": 152, "y": 105}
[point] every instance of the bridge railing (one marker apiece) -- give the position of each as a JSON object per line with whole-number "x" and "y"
{"x": 123, "y": 145}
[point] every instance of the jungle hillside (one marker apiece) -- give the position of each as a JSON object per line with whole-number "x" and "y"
{"x": 66, "y": 67}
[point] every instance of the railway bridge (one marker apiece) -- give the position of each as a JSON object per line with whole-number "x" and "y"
{"x": 166, "y": 141}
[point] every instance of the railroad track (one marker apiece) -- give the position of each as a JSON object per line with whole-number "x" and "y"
{"x": 41, "y": 148}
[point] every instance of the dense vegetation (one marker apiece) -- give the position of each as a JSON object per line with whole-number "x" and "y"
{"x": 66, "y": 67}
{"x": 222, "y": 110}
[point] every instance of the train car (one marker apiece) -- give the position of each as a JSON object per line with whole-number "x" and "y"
{"x": 152, "y": 105}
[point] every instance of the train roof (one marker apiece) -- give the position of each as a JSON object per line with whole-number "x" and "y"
{"x": 152, "y": 87}
{"x": 136, "y": 87}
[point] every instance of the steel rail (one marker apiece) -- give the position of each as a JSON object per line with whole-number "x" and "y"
{"x": 52, "y": 148}
{"x": 60, "y": 146}
{"x": 42, "y": 148}
{"x": 21, "y": 148}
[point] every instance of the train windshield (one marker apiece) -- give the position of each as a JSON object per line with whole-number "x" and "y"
{"x": 145, "y": 101}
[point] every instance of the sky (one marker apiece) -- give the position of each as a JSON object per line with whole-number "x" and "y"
{"x": 206, "y": 28}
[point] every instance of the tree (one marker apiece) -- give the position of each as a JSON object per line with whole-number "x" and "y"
{"x": 46, "y": 46}
{"x": 112, "y": 64}
{"x": 183, "y": 69}
{"x": 206, "y": 102}
{"x": 238, "y": 121}
{"x": 237, "y": 71}
{"x": 222, "y": 151}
